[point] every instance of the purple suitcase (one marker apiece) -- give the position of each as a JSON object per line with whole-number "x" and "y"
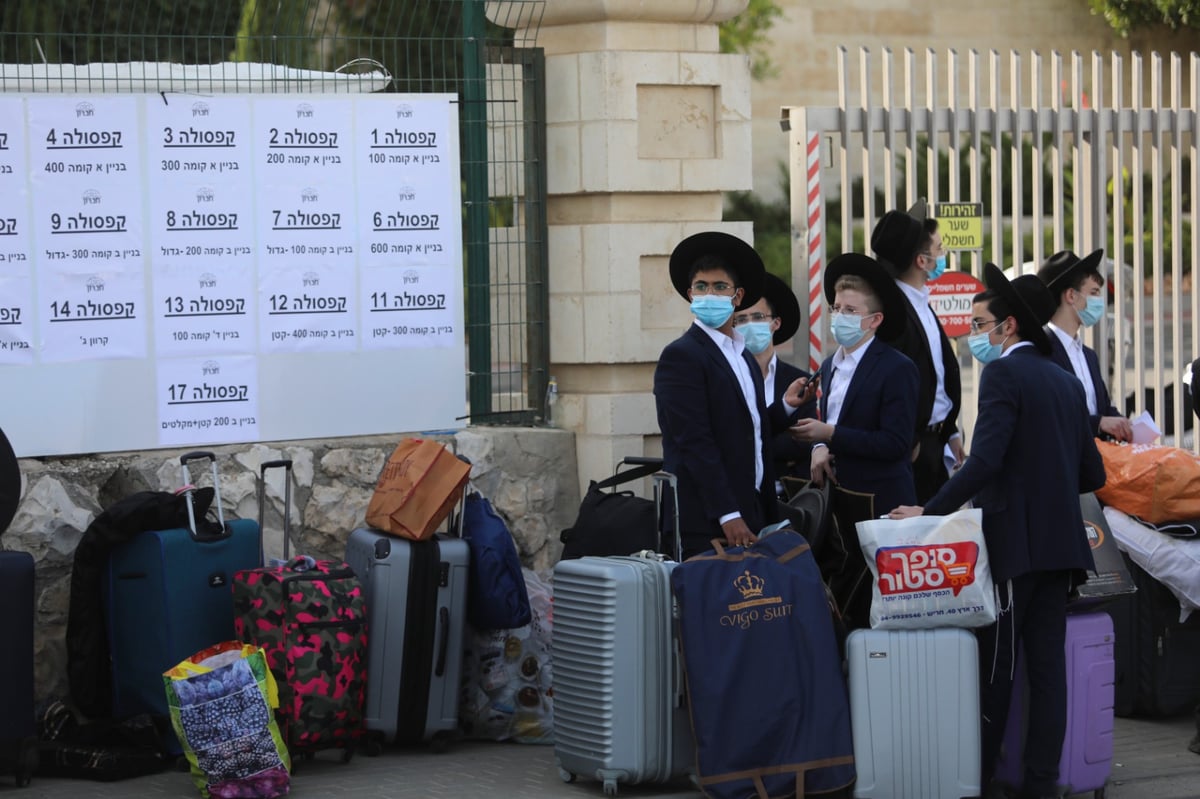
{"x": 1087, "y": 754}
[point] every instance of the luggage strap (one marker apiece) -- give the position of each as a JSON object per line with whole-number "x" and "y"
{"x": 644, "y": 470}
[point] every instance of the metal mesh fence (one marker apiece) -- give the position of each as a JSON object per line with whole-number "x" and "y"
{"x": 449, "y": 46}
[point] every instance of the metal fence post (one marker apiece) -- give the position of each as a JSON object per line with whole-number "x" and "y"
{"x": 475, "y": 203}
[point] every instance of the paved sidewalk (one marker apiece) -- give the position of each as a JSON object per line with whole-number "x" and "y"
{"x": 1152, "y": 761}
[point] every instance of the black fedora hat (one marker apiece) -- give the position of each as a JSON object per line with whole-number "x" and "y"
{"x": 738, "y": 257}
{"x": 784, "y": 305}
{"x": 1061, "y": 269}
{"x": 895, "y": 240}
{"x": 1028, "y": 300}
{"x": 895, "y": 315}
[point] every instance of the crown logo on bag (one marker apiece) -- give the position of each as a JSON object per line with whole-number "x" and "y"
{"x": 749, "y": 585}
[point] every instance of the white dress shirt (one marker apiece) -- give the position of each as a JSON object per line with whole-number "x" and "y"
{"x": 731, "y": 347}
{"x": 1079, "y": 366}
{"x": 769, "y": 381}
{"x": 844, "y": 363}
{"x": 918, "y": 298}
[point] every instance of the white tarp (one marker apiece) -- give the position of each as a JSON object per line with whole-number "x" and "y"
{"x": 1172, "y": 561}
{"x": 149, "y": 76}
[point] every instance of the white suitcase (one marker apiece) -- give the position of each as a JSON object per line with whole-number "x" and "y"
{"x": 914, "y": 708}
{"x": 619, "y": 712}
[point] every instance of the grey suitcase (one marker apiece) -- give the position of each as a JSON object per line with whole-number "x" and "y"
{"x": 416, "y": 593}
{"x": 619, "y": 710}
{"x": 914, "y": 709}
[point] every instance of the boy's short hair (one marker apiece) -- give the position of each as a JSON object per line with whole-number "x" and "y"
{"x": 997, "y": 306}
{"x": 856, "y": 283}
{"x": 708, "y": 263}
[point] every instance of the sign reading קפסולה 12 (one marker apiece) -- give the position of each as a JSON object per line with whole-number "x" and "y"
{"x": 961, "y": 225}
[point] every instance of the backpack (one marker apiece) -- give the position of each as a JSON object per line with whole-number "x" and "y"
{"x": 496, "y": 594}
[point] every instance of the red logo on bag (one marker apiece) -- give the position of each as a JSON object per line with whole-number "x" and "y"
{"x": 925, "y": 567}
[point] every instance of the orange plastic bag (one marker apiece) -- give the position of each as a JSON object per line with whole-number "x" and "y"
{"x": 1156, "y": 484}
{"x": 418, "y": 488}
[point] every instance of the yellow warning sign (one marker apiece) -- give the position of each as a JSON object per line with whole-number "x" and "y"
{"x": 961, "y": 225}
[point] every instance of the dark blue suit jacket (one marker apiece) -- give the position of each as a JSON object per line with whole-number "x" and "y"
{"x": 791, "y": 456}
{"x": 708, "y": 438}
{"x": 873, "y": 437}
{"x": 1032, "y": 456}
{"x": 1104, "y": 405}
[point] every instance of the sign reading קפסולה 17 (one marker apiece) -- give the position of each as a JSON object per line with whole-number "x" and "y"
{"x": 961, "y": 225}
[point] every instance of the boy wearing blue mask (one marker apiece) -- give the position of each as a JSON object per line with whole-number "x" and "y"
{"x": 1076, "y": 283}
{"x": 910, "y": 247}
{"x": 712, "y": 407}
{"x": 766, "y": 324}
{"x": 1033, "y": 455}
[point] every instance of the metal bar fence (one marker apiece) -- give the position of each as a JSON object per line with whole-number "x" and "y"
{"x": 1084, "y": 154}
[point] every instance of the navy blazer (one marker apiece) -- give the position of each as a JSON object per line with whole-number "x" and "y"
{"x": 1033, "y": 455}
{"x": 913, "y": 343}
{"x": 1058, "y": 354}
{"x": 708, "y": 437}
{"x": 873, "y": 437}
{"x": 791, "y": 457}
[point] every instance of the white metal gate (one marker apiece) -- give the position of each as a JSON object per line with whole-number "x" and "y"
{"x": 1072, "y": 152}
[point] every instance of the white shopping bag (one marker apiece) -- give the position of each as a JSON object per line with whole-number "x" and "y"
{"x": 928, "y": 571}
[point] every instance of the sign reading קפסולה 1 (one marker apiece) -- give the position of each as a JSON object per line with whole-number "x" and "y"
{"x": 961, "y": 225}
{"x": 202, "y": 229}
{"x": 16, "y": 247}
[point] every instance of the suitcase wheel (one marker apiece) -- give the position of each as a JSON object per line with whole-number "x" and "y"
{"x": 610, "y": 787}
{"x": 566, "y": 776}
{"x": 27, "y": 762}
{"x": 374, "y": 746}
{"x": 1098, "y": 794}
{"x": 439, "y": 743}
{"x": 347, "y": 754}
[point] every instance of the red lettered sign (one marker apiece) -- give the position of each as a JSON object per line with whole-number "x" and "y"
{"x": 951, "y": 295}
{"x": 926, "y": 567}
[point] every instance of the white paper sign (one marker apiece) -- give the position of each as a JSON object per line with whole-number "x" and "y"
{"x": 201, "y": 312}
{"x": 16, "y": 261}
{"x": 207, "y": 400}
{"x": 408, "y": 307}
{"x": 90, "y": 316}
{"x": 308, "y": 308}
{"x": 297, "y": 139}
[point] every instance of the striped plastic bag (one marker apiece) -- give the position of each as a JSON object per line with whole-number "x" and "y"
{"x": 222, "y": 702}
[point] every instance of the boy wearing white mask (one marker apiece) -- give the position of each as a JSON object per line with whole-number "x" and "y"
{"x": 712, "y": 408}
{"x": 1077, "y": 284}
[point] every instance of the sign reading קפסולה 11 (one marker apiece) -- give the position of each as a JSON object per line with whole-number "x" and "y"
{"x": 16, "y": 250}
{"x": 202, "y": 227}
{"x": 86, "y": 183}
{"x": 961, "y": 225}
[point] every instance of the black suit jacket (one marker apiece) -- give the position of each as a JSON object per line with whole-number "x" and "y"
{"x": 708, "y": 437}
{"x": 1058, "y": 354}
{"x": 791, "y": 457}
{"x": 915, "y": 345}
{"x": 872, "y": 439}
{"x": 1032, "y": 455}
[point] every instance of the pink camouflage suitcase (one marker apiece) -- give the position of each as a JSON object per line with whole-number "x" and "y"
{"x": 1087, "y": 754}
{"x": 310, "y": 618}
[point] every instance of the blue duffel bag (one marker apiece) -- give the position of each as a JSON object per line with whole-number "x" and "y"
{"x": 496, "y": 595}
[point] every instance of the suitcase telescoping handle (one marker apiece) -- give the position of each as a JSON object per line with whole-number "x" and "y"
{"x": 286, "y": 465}
{"x": 188, "y": 488}
{"x": 663, "y": 482}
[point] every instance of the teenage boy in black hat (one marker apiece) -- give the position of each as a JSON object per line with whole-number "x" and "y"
{"x": 910, "y": 247}
{"x": 867, "y": 403}
{"x": 1032, "y": 457}
{"x": 1076, "y": 285}
{"x": 772, "y": 321}
{"x": 712, "y": 409}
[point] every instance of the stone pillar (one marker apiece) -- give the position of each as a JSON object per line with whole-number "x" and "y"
{"x": 647, "y": 125}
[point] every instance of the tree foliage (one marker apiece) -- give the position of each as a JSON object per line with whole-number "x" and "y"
{"x": 1127, "y": 15}
{"x": 748, "y": 33}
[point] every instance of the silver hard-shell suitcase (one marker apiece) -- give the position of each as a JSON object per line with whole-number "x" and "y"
{"x": 914, "y": 708}
{"x": 416, "y": 594}
{"x": 619, "y": 710}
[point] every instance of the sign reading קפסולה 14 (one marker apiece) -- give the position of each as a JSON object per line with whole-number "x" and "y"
{"x": 961, "y": 225}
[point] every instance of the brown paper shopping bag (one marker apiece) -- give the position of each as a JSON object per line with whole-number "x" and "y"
{"x": 418, "y": 488}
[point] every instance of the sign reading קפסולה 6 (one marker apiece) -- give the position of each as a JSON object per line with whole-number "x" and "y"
{"x": 181, "y": 269}
{"x": 961, "y": 225}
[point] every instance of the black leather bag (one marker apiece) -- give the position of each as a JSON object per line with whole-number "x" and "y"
{"x": 613, "y": 522}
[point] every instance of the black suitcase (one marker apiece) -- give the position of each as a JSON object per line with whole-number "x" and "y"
{"x": 1158, "y": 658}
{"x": 18, "y": 744}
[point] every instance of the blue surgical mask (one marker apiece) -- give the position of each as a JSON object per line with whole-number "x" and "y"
{"x": 757, "y": 334}
{"x": 983, "y": 349}
{"x": 713, "y": 310}
{"x": 847, "y": 329}
{"x": 939, "y": 268}
{"x": 1091, "y": 314}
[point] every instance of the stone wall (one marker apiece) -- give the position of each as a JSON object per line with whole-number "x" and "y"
{"x": 529, "y": 474}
